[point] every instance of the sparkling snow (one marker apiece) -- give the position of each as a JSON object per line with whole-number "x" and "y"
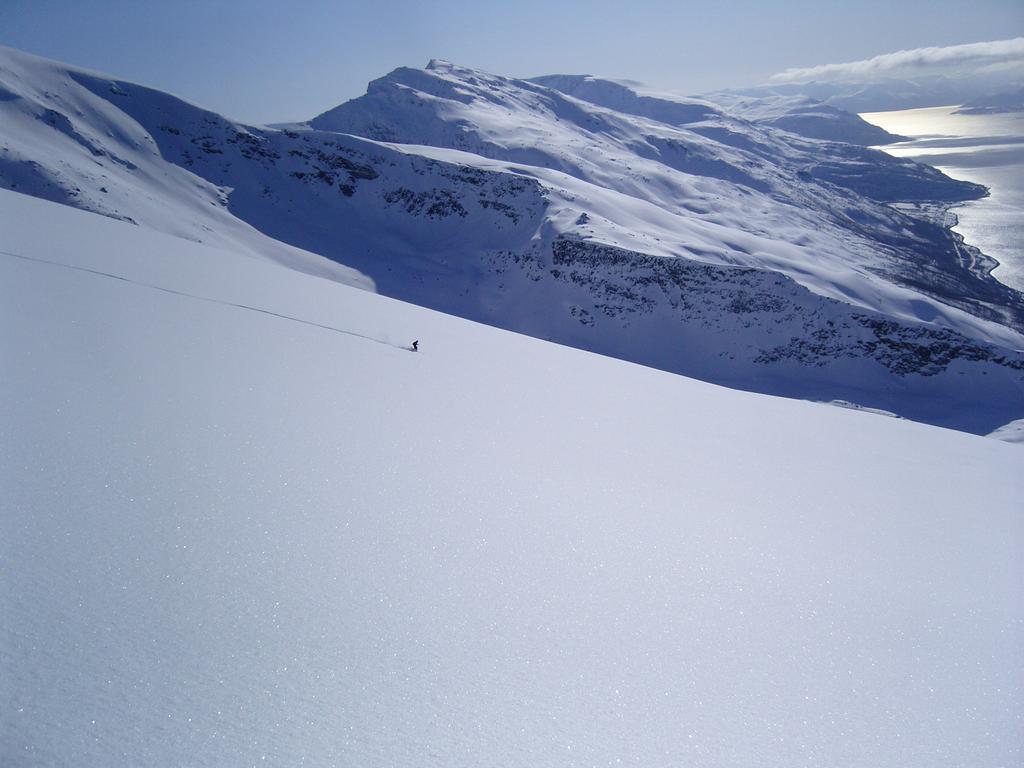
{"x": 231, "y": 539}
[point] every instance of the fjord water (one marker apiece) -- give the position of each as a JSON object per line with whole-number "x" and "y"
{"x": 985, "y": 149}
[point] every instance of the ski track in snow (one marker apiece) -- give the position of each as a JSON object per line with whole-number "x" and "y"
{"x": 205, "y": 298}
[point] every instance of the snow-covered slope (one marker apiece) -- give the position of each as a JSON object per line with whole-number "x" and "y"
{"x": 61, "y": 141}
{"x": 234, "y": 536}
{"x": 717, "y": 248}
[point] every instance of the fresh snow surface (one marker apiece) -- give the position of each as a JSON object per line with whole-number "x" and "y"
{"x": 231, "y": 538}
{"x": 1011, "y": 433}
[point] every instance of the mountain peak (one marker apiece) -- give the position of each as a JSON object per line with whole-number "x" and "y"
{"x": 662, "y": 230}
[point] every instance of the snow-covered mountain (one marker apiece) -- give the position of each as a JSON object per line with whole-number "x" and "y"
{"x": 62, "y": 142}
{"x": 887, "y": 93}
{"x": 241, "y": 525}
{"x": 662, "y": 231}
{"x": 798, "y": 114}
{"x": 1003, "y": 101}
{"x": 808, "y": 117}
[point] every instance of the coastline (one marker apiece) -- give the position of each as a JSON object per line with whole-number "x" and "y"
{"x": 981, "y": 263}
{"x": 943, "y": 214}
{"x": 971, "y": 220}
{"x": 982, "y": 266}
{"x": 964, "y": 271}
{"x": 985, "y": 150}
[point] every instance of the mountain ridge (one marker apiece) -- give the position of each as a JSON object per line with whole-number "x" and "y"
{"x": 721, "y": 249}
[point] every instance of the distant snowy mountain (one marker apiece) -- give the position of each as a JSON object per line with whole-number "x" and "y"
{"x": 241, "y": 524}
{"x": 662, "y": 231}
{"x": 808, "y": 117}
{"x": 797, "y": 114}
{"x": 886, "y": 94}
{"x": 1004, "y": 101}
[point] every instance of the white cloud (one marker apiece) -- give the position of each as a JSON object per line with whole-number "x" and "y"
{"x": 977, "y": 54}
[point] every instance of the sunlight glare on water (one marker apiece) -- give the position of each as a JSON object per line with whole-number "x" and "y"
{"x": 985, "y": 149}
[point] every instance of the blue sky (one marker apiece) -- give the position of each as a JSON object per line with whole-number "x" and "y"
{"x": 269, "y": 60}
